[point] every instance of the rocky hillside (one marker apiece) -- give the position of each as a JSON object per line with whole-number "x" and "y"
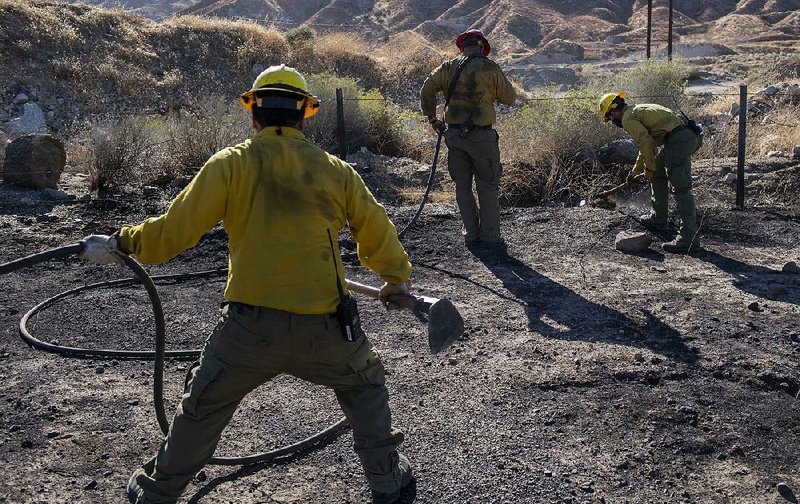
{"x": 520, "y": 28}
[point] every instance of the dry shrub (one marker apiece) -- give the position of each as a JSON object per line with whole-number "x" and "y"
{"x": 548, "y": 149}
{"x": 193, "y": 137}
{"x": 408, "y": 61}
{"x": 119, "y": 153}
{"x": 341, "y": 54}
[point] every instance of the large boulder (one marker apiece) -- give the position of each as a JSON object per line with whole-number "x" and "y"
{"x": 34, "y": 161}
{"x": 32, "y": 120}
{"x": 621, "y": 152}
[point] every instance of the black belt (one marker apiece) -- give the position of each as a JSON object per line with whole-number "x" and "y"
{"x": 675, "y": 130}
{"x": 473, "y": 127}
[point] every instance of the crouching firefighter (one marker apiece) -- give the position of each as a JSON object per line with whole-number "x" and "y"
{"x": 282, "y": 201}
{"x": 471, "y": 83}
{"x": 651, "y": 126}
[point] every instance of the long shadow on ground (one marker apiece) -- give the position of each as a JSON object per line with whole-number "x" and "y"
{"x": 558, "y": 312}
{"x": 756, "y": 280}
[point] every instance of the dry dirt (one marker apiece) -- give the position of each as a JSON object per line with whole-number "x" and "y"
{"x": 584, "y": 375}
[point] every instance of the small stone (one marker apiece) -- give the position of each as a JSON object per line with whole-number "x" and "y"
{"x": 632, "y": 242}
{"x": 734, "y": 109}
{"x": 202, "y": 476}
{"x": 729, "y": 178}
{"x": 771, "y": 91}
{"x": 107, "y": 473}
{"x": 53, "y": 434}
{"x": 791, "y": 267}
{"x": 92, "y": 485}
{"x": 20, "y": 99}
{"x": 776, "y": 154}
{"x": 796, "y": 152}
{"x": 754, "y": 307}
{"x": 150, "y": 191}
{"x": 15, "y": 428}
{"x": 133, "y": 402}
{"x": 99, "y": 370}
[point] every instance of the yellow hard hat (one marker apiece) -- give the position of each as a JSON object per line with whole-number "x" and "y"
{"x": 286, "y": 83}
{"x": 607, "y": 104}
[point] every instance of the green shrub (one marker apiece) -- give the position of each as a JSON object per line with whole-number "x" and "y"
{"x": 370, "y": 120}
{"x": 300, "y": 35}
{"x": 653, "y": 81}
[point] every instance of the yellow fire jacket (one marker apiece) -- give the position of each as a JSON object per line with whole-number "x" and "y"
{"x": 277, "y": 195}
{"x": 480, "y": 83}
{"x": 647, "y": 124}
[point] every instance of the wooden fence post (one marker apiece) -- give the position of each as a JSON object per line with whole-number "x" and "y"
{"x": 742, "y": 145}
{"x": 340, "y": 124}
{"x": 669, "y": 36}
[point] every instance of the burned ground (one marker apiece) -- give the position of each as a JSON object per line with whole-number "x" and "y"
{"x": 584, "y": 374}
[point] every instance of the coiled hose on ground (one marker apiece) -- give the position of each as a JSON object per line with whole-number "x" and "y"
{"x": 160, "y": 352}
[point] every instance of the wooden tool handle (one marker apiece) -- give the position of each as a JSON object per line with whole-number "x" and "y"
{"x": 406, "y": 301}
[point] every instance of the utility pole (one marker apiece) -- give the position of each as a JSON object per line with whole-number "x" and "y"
{"x": 649, "y": 25}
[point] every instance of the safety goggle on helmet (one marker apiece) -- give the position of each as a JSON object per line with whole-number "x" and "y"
{"x": 282, "y": 87}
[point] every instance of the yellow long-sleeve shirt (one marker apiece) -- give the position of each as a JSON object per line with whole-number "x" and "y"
{"x": 480, "y": 83}
{"x": 647, "y": 124}
{"x": 277, "y": 195}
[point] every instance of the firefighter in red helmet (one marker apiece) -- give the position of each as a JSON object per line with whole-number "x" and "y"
{"x": 471, "y": 83}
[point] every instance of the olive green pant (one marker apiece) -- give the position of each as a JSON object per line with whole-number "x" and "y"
{"x": 250, "y": 346}
{"x": 476, "y": 156}
{"x": 674, "y": 168}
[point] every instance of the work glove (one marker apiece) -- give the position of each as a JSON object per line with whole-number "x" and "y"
{"x": 100, "y": 249}
{"x": 438, "y": 126}
{"x": 390, "y": 289}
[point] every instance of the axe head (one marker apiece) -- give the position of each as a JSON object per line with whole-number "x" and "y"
{"x": 445, "y": 325}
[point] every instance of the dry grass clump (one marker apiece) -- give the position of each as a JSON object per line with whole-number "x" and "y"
{"x": 408, "y": 60}
{"x": 549, "y": 151}
{"x": 653, "y": 81}
{"x": 341, "y": 54}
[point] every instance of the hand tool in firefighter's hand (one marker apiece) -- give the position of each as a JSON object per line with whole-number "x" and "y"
{"x": 445, "y": 324}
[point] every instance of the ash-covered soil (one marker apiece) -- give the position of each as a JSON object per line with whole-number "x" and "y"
{"x": 584, "y": 374}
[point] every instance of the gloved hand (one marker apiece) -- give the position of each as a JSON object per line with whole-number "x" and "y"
{"x": 100, "y": 249}
{"x": 438, "y": 125}
{"x": 390, "y": 289}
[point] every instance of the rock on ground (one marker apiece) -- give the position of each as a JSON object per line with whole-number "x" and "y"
{"x": 627, "y": 241}
{"x": 34, "y": 161}
{"x": 32, "y": 120}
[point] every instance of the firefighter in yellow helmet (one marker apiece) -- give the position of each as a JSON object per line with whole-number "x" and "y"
{"x": 653, "y": 126}
{"x": 280, "y": 199}
{"x": 471, "y": 83}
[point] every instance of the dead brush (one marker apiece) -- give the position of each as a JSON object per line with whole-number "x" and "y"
{"x": 195, "y": 135}
{"x": 117, "y": 153}
{"x": 548, "y": 149}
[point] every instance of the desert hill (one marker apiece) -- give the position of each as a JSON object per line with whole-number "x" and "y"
{"x": 519, "y": 28}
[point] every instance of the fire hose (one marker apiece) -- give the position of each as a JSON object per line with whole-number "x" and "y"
{"x": 160, "y": 352}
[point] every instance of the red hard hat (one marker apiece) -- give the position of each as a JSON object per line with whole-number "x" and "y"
{"x": 473, "y": 33}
